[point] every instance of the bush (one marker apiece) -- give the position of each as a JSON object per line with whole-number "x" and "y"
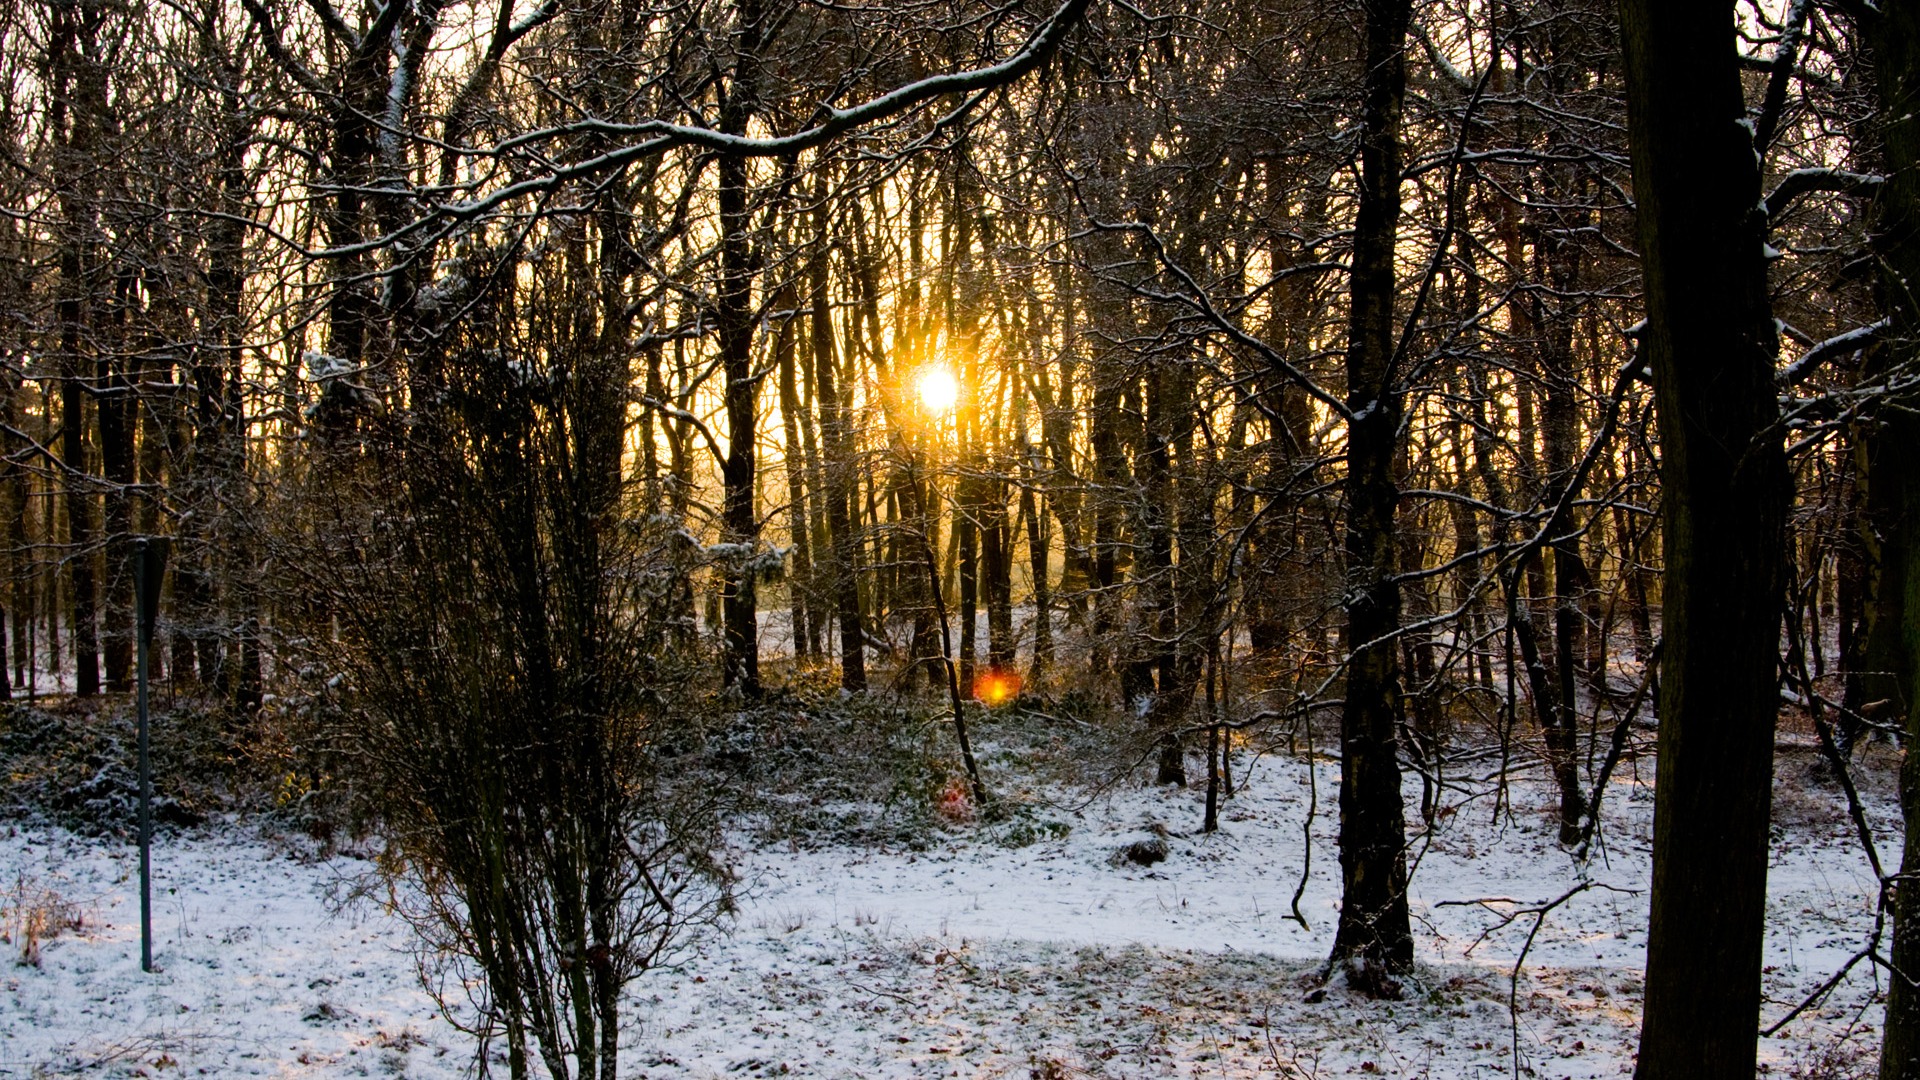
{"x": 497, "y": 656}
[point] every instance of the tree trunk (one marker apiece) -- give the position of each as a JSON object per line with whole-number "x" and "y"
{"x": 15, "y": 582}
{"x": 114, "y": 416}
{"x": 836, "y": 440}
{"x": 79, "y": 94}
{"x": 966, "y": 533}
{"x": 1894, "y": 38}
{"x": 996, "y": 557}
{"x": 1374, "y": 942}
{"x": 740, "y": 659}
{"x": 1710, "y": 338}
{"x": 800, "y": 588}
{"x": 1039, "y": 546}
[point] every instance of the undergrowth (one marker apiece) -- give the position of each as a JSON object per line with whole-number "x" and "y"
{"x": 885, "y": 769}
{"x": 75, "y": 763}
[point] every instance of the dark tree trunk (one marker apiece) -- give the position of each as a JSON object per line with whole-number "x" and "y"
{"x": 1426, "y": 734}
{"x": 1196, "y": 596}
{"x": 740, "y": 659}
{"x": 16, "y": 583}
{"x": 836, "y": 437}
{"x": 1110, "y": 474}
{"x": 1063, "y": 494}
{"x": 1153, "y": 529}
{"x": 1558, "y": 722}
{"x": 800, "y": 585}
{"x": 1039, "y": 544}
{"x": 996, "y": 557}
{"x": 114, "y": 415}
{"x": 1893, "y": 35}
{"x": 1710, "y": 338}
{"x": 79, "y": 94}
{"x": 1374, "y": 942}
{"x": 215, "y": 468}
{"x": 966, "y": 534}
{"x": 1884, "y": 675}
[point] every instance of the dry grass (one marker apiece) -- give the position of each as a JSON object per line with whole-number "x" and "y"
{"x": 33, "y": 913}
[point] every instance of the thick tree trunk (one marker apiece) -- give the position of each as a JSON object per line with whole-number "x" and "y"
{"x": 1710, "y": 338}
{"x": 1894, "y": 38}
{"x": 1900, "y": 1053}
{"x": 1374, "y": 942}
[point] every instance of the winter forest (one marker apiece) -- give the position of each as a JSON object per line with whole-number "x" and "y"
{"x": 978, "y": 538}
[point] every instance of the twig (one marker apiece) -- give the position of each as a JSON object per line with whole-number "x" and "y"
{"x": 1617, "y": 747}
{"x": 1306, "y": 827}
{"x": 1508, "y": 918}
{"x": 1796, "y": 667}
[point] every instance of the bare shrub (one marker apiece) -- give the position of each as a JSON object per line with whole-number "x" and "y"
{"x": 499, "y": 645}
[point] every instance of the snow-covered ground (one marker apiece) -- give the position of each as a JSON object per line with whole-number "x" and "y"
{"x": 970, "y": 959}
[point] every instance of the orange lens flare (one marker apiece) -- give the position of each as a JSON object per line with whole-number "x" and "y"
{"x": 996, "y": 687}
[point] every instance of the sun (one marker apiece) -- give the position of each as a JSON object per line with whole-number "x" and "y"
{"x": 938, "y": 389}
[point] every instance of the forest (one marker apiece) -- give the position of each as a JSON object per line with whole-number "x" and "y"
{"x": 1045, "y": 538}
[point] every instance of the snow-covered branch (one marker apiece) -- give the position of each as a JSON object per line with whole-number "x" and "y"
{"x": 1852, "y": 341}
{"x": 654, "y": 137}
{"x": 1807, "y": 181}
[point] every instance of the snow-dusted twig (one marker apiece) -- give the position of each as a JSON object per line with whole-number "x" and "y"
{"x": 1508, "y": 918}
{"x": 1795, "y": 668}
{"x": 1785, "y": 55}
{"x": 1616, "y": 748}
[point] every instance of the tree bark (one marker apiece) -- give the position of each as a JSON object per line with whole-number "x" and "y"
{"x": 836, "y": 439}
{"x": 1374, "y": 942}
{"x": 800, "y": 586}
{"x": 1893, "y": 36}
{"x": 114, "y": 418}
{"x": 1710, "y": 339}
{"x": 79, "y": 95}
{"x": 740, "y": 660}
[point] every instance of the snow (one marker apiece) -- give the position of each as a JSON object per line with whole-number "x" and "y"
{"x": 322, "y": 367}
{"x": 258, "y": 977}
{"x": 970, "y": 958}
{"x": 1857, "y": 338}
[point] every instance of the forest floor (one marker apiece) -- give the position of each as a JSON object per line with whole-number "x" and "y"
{"x": 1021, "y": 950}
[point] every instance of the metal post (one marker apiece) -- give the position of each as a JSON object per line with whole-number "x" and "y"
{"x": 142, "y": 620}
{"x": 149, "y": 567}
